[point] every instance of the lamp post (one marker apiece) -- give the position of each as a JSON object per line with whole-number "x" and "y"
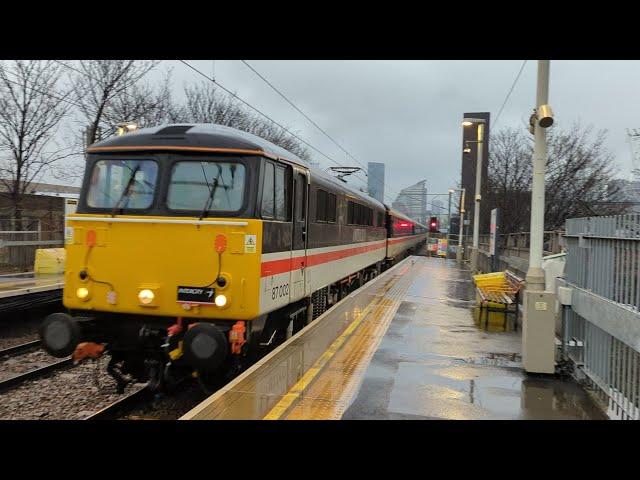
{"x": 451, "y": 190}
{"x": 538, "y": 329}
{"x": 461, "y": 225}
{"x": 541, "y": 119}
{"x": 467, "y": 122}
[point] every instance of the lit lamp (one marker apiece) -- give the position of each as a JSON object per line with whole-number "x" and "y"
{"x": 125, "y": 127}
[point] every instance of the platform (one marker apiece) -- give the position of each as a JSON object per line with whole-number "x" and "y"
{"x": 23, "y": 290}
{"x": 404, "y": 346}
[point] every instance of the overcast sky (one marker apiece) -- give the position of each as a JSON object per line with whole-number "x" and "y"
{"x": 407, "y": 113}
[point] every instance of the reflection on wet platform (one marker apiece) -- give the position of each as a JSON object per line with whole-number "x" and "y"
{"x": 406, "y": 345}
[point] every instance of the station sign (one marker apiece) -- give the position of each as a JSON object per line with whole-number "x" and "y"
{"x": 493, "y": 237}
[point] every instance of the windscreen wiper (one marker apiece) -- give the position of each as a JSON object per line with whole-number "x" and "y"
{"x": 212, "y": 192}
{"x": 125, "y": 192}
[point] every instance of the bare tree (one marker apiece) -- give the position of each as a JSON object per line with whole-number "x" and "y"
{"x": 204, "y": 104}
{"x": 31, "y": 109}
{"x": 509, "y": 178}
{"x": 145, "y": 105}
{"x": 579, "y": 176}
{"x": 98, "y": 83}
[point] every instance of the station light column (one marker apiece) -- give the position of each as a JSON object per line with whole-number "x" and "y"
{"x": 476, "y": 211}
{"x": 449, "y": 223}
{"x": 459, "y": 255}
{"x": 539, "y": 305}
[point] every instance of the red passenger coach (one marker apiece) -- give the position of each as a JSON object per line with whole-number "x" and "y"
{"x": 405, "y": 236}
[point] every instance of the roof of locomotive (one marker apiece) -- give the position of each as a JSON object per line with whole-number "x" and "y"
{"x": 214, "y": 138}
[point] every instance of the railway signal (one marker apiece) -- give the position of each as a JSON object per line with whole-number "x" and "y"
{"x": 433, "y": 225}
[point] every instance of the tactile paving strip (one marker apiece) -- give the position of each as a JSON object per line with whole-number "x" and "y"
{"x": 331, "y": 391}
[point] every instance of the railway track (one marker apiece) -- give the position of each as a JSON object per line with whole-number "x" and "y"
{"x": 21, "y": 348}
{"x": 129, "y": 402}
{"x": 18, "y": 379}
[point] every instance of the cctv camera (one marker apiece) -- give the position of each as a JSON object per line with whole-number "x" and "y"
{"x": 545, "y": 116}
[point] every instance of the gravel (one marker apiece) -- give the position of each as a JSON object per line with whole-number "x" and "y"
{"x": 169, "y": 407}
{"x": 69, "y": 394}
{"x": 75, "y": 392}
{"x": 17, "y": 364}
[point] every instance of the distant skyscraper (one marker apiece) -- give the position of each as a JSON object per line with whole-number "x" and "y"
{"x": 412, "y": 201}
{"x": 375, "y": 180}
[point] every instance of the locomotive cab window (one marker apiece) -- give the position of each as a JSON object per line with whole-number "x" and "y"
{"x": 275, "y": 193}
{"x": 207, "y": 186}
{"x": 125, "y": 184}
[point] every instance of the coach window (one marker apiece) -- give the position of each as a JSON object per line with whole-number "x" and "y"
{"x": 268, "y": 191}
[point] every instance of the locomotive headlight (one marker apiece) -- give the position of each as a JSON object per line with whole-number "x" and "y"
{"x": 82, "y": 293}
{"x": 146, "y": 296}
{"x": 220, "y": 300}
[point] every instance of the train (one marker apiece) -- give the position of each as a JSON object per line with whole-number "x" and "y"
{"x": 196, "y": 249}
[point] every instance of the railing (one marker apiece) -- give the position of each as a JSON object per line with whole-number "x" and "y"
{"x": 605, "y": 257}
{"x": 517, "y": 244}
{"x": 512, "y": 250}
{"x": 601, "y": 326}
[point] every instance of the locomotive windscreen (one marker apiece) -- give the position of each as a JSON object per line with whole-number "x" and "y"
{"x": 127, "y": 184}
{"x": 210, "y": 186}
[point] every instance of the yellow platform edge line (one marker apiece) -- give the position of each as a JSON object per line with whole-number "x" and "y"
{"x": 283, "y": 405}
{"x": 384, "y": 311}
{"x": 292, "y": 395}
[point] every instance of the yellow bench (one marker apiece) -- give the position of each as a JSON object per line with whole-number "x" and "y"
{"x": 498, "y": 292}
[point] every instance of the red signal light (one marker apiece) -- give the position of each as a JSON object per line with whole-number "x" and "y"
{"x": 433, "y": 225}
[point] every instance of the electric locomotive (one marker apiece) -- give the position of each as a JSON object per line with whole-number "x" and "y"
{"x": 197, "y": 248}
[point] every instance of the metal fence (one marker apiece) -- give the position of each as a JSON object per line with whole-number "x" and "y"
{"x": 517, "y": 244}
{"x": 604, "y": 255}
{"x": 601, "y": 327}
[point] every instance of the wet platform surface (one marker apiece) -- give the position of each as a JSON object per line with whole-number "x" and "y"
{"x": 405, "y": 346}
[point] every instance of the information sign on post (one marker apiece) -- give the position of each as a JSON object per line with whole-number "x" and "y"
{"x": 493, "y": 237}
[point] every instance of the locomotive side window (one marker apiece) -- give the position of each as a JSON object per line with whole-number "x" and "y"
{"x": 126, "y": 184}
{"x": 300, "y": 200}
{"x": 276, "y": 193}
{"x": 331, "y": 208}
{"x": 281, "y": 194}
{"x": 321, "y": 201}
{"x": 209, "y": 186}
{"x": 325, "y": 206}
{"x": 267, "y": 191}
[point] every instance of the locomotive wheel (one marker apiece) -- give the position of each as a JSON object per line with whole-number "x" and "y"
{"x": 205, "y": 347}
{"x": 60, "y": 334}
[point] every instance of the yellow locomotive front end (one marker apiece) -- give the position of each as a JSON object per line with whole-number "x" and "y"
{"x": 163, "y": 266}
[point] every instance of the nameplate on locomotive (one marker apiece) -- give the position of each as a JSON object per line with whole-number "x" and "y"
{"x": 196, "y": 294}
